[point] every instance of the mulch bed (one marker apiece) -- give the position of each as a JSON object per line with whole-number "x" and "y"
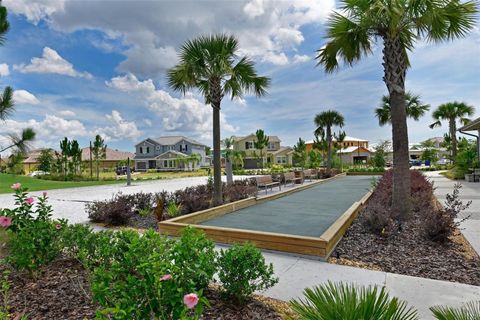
{"x": 408, "y": 252}
{"x": 62, "y": 291}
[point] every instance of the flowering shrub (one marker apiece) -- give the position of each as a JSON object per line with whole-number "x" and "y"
{"x": 242, "y": 271}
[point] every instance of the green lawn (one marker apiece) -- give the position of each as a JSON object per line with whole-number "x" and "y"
{"x": 34, "y": 184}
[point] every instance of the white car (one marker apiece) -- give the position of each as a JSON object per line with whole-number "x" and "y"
{"x": 37, "y": 173}
{"x": 444, "y": 162}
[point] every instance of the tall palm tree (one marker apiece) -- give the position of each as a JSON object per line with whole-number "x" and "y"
{"x": 211, "y": 65}
{"x": 261, "y": 143}
{"x": 415, "y": 108}
{"x": 351, "y": 32}
{"x": 451, "y": 112}
{"x": 324, "y": 122}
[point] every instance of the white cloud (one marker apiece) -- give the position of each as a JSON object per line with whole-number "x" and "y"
{"x": 34, "y": 11}
{"x": 176, "y": 115}
{"x": 67, "y": 113}
{"x": 301, "y": 58}
{"x": 148, "y": 122}
{"x": 120, "y": 129}
{"x": 4, "y": 70}
{"x": 254, "y": 8}
{"x": 276, "y": 58}
{"x": 51, "y": 62}
{"x": 24, "y": 97}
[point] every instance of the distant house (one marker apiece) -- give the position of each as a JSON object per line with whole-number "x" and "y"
{"x": 273, "y": 153}
{"x": 30, "y": 163}
{"x": 112, "y": 159}
{"x": 351, "y": 150}
{"x": 169, "y": 153}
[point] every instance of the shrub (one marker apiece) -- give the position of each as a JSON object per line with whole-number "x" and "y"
{"x": 346, "y": 302}
{"x": 239, "y": 190}
{"x": 116, "y": 211}
{"x": 440, "y": 224}
{"x": 468, "y": 311}
{"x": 242, "y": 271}
{"x": 173, "y": 209}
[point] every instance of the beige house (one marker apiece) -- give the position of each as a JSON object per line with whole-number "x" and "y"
{"x": 354, "y": 155}
{"x": 273, "y": 153}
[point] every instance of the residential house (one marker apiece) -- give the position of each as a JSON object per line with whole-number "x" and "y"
{"x": 169, "y": 153}
{"x": 351, "y": 150}
{"x": 273, "y": 153}
{"x": 111, "y": 160}
{"x": 30, "y": 163}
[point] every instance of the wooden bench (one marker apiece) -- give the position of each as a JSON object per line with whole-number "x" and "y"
{"x": 290, "y": 177}
{"x": 266, "y": 182}
{"x": 308, "y": 174}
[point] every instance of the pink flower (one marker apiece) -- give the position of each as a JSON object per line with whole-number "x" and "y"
{"x": 58, "y": 226}
{"x": 5, "y": 221}
{"x": 29, "y": 200}
{"x": 166, "y": 277}
{"x": 16, "y": 186}
{"x": 190, "y": 300}
{"x": 45, "y": 194}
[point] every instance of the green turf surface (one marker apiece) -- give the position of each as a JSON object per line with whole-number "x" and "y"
{"x": 306, "y": 213}
{"x": 34, "y": 184}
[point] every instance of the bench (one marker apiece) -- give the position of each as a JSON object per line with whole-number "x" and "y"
{"x": 309, "y": 173}
{"x": 266, "y": 182}
{"x": 290, "y": 177}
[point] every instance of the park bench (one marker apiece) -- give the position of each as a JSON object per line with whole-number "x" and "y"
{"x": 267, "y": 182}
{"x": 309, "y": 173}
{"x": 290, "y": 177}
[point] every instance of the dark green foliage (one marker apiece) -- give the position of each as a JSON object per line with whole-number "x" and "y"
{"x": 468, "y": 311}
{"x": 347, "y": 302}
{"x": 242, "y": 271}
{"x": 45, "y": 160}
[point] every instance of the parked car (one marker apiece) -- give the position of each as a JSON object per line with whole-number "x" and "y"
{"x": 415, "y": 163}
{"x": 444, "y": 162}
{"x": 120, "y": 171}
{"x": 37, "y": 173}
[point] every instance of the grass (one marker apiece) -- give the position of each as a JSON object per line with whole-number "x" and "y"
{"x": 157, "y": 175}
{"x": 34, "y": 184}
{"x": 454, "y": 173}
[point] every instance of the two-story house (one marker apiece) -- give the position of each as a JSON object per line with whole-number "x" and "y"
{"x": 273, "y": 153}
{"x": 169, "y": 153}
{"x": 351, "y": 150}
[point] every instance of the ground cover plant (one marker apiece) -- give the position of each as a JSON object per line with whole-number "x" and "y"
{"x": 426, "y": 244}
{"x": 117, "y": 275}
{"x": 146, "y": 209}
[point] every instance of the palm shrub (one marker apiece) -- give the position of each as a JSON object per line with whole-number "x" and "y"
{"x": 468, "y": 311}
{"x": 333, "y": 301}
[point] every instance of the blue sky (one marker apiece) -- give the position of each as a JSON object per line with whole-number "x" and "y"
{"x": 82, "y": 68}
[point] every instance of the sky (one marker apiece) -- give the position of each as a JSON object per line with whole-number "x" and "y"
{"x": 81, "y": 68}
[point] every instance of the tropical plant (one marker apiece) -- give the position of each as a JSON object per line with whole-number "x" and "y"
{"x": 430, "y": 153}
{"x": 333, "y": 301}
{"x": 99, "y": 151}
{"x": 324, "y": 122}
{"x": 300, "y": 155}
{"x": 7, "y": 105}
{"x": 468, "y": 311}
{"x": 14, "y": 163}
{"x": 210, "y": 64}
{"x": 351, "y": 31}
{"x": 261, "y": 143}
{"x": 451, "y": 112}
{"x": 415, "y": 108}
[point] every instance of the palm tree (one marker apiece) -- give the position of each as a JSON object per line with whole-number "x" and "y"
{"x": 353, "y": 28}
{"x": 415, "y": 108}
{"x": 261, "y": 143}
{"x": 211, "y": 65}
{"x": 450, "y": 112}
{"x": 324, "y": 122}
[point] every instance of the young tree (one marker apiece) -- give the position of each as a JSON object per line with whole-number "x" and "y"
{"x": 261, "y": 143}
{"x": 99, "y": 151}
{"x": 45, "y": 160}
{"x": 211, "y": 64}
{"x": 415, "y": 108}
{"x": 65, "y": 146}
{"x": 451, "y": 112}
{"x": 324, "y": 122}
{"x": 380, "y": 154}
{"x": 75, "y": 156}
{"x": 300, "y": 155}
{"x": 353, "y": 28}
{"x": 430, "y": 153}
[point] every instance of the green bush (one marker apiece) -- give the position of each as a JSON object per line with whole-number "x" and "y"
{"x": 242, "y": 271}
{"x": 339, "y": 301}
{"x": 469, "y": 311}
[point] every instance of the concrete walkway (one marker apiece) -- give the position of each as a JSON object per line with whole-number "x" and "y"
{"x": 470, "y": 191}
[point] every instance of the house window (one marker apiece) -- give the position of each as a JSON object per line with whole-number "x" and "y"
{"x": 271, "y": 145}
{"x": 183, "y": 148}
{"x": 281, "y": 159}
{"x": 157, "y": 147}
{"x": 148, "y": 150}
{"x": 248, "y": 145}
{"x": 141, "y": 150}
{"x": 169, "y": 163}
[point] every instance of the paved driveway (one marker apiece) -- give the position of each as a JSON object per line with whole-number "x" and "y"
{"x": 70, "y": 203}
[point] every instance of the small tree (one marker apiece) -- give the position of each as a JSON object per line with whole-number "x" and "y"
{"x": 99, "y": 151}
{"x": 380, "y": 154}
{"x": 300, "y": 155}
{"x": 45, "y": 160}
{"x": 75, "y": 156}
{"x": 261, "y": 143}
{"x": 430, "y": 153}
{"x": 65, "y": 146}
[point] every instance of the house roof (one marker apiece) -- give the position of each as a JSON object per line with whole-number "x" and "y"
{"x": 177, "y": 153}
{"x": 347, "y": 138}
{"x": 111, "y": 155}
{"x": 171, "y": 140}
{"x": 471, "y": 126}
{"x": 33, "y": 155}
{"x": 270, "y": 138}
{"x": 353, "y": 149}
{"x": 282, "y": 149}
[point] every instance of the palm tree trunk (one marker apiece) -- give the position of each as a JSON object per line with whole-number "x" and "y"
{"x": 329, "y": 150}
{"x": 217, "y": 167}
{"x": 453, "y": 136}
{"x": 229, "y": 170}
{"x": 395, "y": 67}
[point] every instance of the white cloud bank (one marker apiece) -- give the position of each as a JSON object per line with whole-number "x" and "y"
{"x": 24, "y": 97}
{"x": 51, "y": 62}
{"x": 120, "y": 128}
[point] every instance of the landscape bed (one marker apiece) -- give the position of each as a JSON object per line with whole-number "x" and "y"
{"x": 309, "y": 219}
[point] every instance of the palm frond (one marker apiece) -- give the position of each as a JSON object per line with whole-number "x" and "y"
{"x": 468, "y": 311}
{"x": 7, "y": 105}
{"x": 4, "y": 24}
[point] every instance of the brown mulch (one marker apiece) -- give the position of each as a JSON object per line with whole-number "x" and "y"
{"x": 408, "y": 252}
{"x": 62, "y": 291}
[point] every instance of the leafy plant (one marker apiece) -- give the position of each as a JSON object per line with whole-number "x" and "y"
{"x": 468, "y": 311}
{"x": 242, "y": 271}
{"x": 173, "y": 209}
{"x": 341, "y": 301}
